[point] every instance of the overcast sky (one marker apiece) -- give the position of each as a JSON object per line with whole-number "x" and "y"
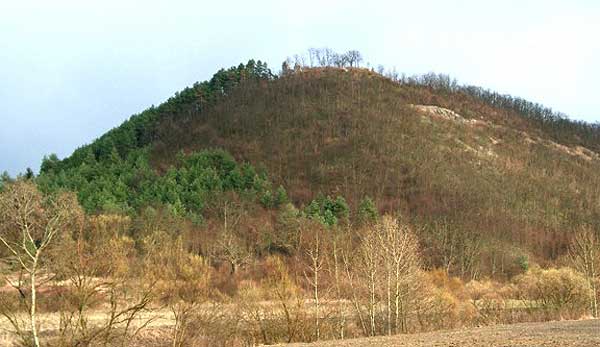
{"x": 71, "y": 70}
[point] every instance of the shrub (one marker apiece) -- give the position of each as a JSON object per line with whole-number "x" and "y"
{"x": 562, "y": 291}
{"x": 367, "y": 211}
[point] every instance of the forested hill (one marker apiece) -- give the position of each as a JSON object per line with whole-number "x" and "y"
{"x": 114, "y": 173}
{"x": 488, "y": 175}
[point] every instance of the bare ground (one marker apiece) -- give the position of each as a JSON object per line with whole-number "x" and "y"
{"x": 583, "y": 333}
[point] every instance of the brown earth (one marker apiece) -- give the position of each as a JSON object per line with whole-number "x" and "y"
{"x": 583, "y": 333}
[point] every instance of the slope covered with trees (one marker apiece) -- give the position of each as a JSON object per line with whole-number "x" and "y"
{"x": 325, "y": 202}
{"x": 492, "y": 178}
{"x": 505, "y": 176}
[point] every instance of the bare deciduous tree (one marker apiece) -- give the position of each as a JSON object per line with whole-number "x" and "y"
{"x": 28, "y": 226}
{"x": 353, "y": 58}
{"x": 315, "y": 255}
{"x": 182, "y": 284}
{"x": 93, "y": 263}
{"x": 584, "y": 253}
{"x": 230, "y": 247}
{"x": 399, "y": 252}
{"x": 383, "y": 270}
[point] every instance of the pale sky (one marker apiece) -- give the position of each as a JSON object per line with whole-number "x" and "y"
{"x": 72, "y": 69}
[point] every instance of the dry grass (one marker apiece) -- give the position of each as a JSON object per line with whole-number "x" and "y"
{"x": 49, "y": 322}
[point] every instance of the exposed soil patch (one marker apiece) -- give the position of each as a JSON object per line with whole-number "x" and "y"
{"x": 584, "y": 333}
{"x": 446, "y": 114}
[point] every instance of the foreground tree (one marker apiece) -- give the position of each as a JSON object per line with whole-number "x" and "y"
{"x": 314, "y": 262}
{"x": 28, "y": 226}
{"x": 182, "y": 283}
{"x": 96, "y": 264}
{"x": 399, "y": 249}
{"x": 584, "y": 253}
{"x": 383, "y": 275}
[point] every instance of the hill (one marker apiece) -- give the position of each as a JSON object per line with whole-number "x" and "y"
{"x": 328, "y": 202}
{"x": 489, "y": 181}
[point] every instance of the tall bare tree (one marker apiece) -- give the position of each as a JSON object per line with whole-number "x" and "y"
{"x": 230, "y": 247}
{"x": 399, "y": 253}
{"x": 315, "y": 262}
{"x": 353, "y": 58}
{"x": 28, "y": 226}
{"x": 385, "y": 268}
{"x": 584, "y": 253}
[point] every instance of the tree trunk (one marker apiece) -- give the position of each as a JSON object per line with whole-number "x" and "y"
{"x": 36, "y": 341}
{"x": 316, "y": 292}
{"x": 594, "y": 299}
{"x": 389, "y": 300}
{"x": 372, "y": 304}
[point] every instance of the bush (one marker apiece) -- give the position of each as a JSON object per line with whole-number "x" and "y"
{"x": 273, "y": 310}
{"x": 441, "y": 302}
{"x": 328, "y": 211}
{"x": 493, "y": 302}
{"x": 367, "y": 211}
{"x": 563, "y": 292}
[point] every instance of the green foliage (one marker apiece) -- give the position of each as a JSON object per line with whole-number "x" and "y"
{"x": 267, "y": 199}
{"x": 50, "y": 163}
{"x": 328, "y": 211}
{"x": 523, "y": 262}
{"x": 116, "y": 185}
{"x": 281, "y": 197}
{"x": 287, "y": 235}
{"x": 367, "y": 211}
{"x": 114, "y": 174}
{"x": 140, "y": 130}
{"x": 29, "y": 175}
{"x": 274, "y": 199}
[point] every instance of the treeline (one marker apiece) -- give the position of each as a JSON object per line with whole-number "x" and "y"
{"x": 134, "y": 142}
{"x": 139, "y": 131}
{"x": 345, "y": 132}
{"x": 322, "y": 57}
{"x": 556, "y": 125}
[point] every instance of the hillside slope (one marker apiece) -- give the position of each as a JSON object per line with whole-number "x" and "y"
{"x": 475, "y": 177}
{"x": 479, "y": 170}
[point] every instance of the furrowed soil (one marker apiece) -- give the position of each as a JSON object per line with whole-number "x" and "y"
{"x": 583, "y": 333}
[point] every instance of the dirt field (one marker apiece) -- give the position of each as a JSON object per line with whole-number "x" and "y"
{"x": 584, "y": 333}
